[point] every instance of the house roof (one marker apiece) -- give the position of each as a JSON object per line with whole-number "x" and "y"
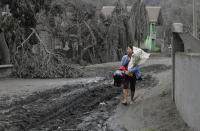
{"x": 107, "y": 10}
{"x": 154, "y": 14}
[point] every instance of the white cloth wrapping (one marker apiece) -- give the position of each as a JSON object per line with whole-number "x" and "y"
{"x": 145, "y": 56}
{"x": 138, "y": 53}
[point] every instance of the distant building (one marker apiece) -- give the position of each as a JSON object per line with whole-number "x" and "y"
{"x": 107, "y": 10}
{"x": 155, "y": 19}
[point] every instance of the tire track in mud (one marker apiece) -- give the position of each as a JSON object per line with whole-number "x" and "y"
{"x": 76, "y": 100}
{"x": 26, "y": 116}
{"x": 7, "y": 103}
{"x": 68, "y": 106}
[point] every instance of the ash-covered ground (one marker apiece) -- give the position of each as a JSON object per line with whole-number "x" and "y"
{"x": 91, "y": 104}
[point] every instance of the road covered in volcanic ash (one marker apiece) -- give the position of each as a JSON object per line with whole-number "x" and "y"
{"x": 86, "y": 105}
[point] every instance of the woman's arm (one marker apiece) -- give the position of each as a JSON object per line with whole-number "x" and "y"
{"x": 128, "y": 73}
{"x": 133, "y": 70}
{"x": 123, "y": 61}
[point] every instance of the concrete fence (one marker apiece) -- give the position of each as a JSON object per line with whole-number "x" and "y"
{"x": 187, "y": 88}
{"x": 186, "y": 76}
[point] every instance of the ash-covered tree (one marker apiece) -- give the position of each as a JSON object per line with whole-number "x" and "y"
{"x": 139, "y": 24}
{"x": 117, "y": 38}
{"x": 19, "y": 14}
{"x": 19, "y": 27}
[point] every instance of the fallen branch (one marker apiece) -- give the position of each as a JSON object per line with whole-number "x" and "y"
{"x": 93, "y": 37}
{"x": 41, "y": 42}
{"x": 22, "y": 44}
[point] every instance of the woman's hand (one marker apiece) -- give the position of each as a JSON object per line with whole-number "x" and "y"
{"x": 128, "y": 73}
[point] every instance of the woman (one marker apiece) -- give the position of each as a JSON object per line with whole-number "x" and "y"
{"x": 131, "y": 75}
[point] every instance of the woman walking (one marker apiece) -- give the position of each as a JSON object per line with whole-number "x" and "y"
{"x": 131, "y": 75}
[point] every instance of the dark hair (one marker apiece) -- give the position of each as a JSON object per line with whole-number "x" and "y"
{"x": 130, "y": 46}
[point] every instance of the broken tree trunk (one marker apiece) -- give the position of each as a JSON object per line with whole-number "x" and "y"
{"x": 4, "y": 51}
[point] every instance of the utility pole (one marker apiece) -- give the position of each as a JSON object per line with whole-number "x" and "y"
{"x": 194, "y": 19}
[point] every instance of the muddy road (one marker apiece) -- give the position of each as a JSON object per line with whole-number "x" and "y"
{"x": 82, "y": 106}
